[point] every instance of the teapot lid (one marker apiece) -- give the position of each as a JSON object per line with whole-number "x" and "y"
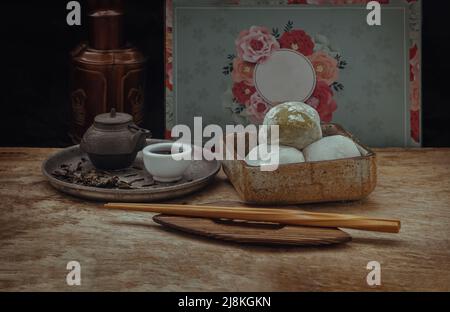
{"x": 113, "y": 118}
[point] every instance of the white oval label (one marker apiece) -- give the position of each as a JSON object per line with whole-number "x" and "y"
{"x": 286, "y": 76}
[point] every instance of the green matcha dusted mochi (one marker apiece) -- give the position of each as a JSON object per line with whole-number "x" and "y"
{"x": 299, "y": 124}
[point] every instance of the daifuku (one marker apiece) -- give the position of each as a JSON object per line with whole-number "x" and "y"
{"x": 287, "y": 155}
{"x": 299, "y": 124}
{"x": 331, "y": 148}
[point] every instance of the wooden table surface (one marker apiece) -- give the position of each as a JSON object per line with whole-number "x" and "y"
{"x": 41, "y": 230}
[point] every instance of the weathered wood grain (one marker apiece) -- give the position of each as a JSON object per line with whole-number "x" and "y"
{"x": 255, "y": 233}
{"x": 42, "y": 230}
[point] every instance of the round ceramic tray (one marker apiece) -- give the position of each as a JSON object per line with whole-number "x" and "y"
{"x": 135, "y": 183}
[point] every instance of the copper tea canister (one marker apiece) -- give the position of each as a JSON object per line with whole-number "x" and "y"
{"x": 106, "y": 72}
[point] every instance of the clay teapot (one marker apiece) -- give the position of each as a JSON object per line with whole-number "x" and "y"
{"x": 113, "y": 141}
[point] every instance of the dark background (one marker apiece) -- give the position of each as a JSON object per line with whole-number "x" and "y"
{"x": 36, "y": 42}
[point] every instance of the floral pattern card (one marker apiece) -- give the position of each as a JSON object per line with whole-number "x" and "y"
{"x": 231, "y": 61}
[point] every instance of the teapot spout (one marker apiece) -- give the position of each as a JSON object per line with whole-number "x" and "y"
{"x": 140, "y": 136}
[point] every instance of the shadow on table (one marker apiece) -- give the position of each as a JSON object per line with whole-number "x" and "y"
{"x": 242, "y": 246}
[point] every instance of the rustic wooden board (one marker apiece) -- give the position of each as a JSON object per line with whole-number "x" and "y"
{"x": 41, "y": 230}
{"x": 255, "y": 233}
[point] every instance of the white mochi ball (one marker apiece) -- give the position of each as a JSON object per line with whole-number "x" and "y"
{"x": 299, "y": 124}
{"x": 331, "y": 148}
{"x": 266, "y": 155}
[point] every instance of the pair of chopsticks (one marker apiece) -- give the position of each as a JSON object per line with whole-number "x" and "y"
{"x": 279, "y": 216}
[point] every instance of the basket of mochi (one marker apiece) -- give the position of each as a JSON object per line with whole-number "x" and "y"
{"x": 315, "y": 162}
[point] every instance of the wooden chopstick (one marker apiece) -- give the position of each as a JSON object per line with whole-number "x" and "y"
{"x": 197, "y": 207}
{"x": 280, "y": 216}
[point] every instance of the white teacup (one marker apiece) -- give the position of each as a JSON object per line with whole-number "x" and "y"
{"x": 167, "y": 162}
